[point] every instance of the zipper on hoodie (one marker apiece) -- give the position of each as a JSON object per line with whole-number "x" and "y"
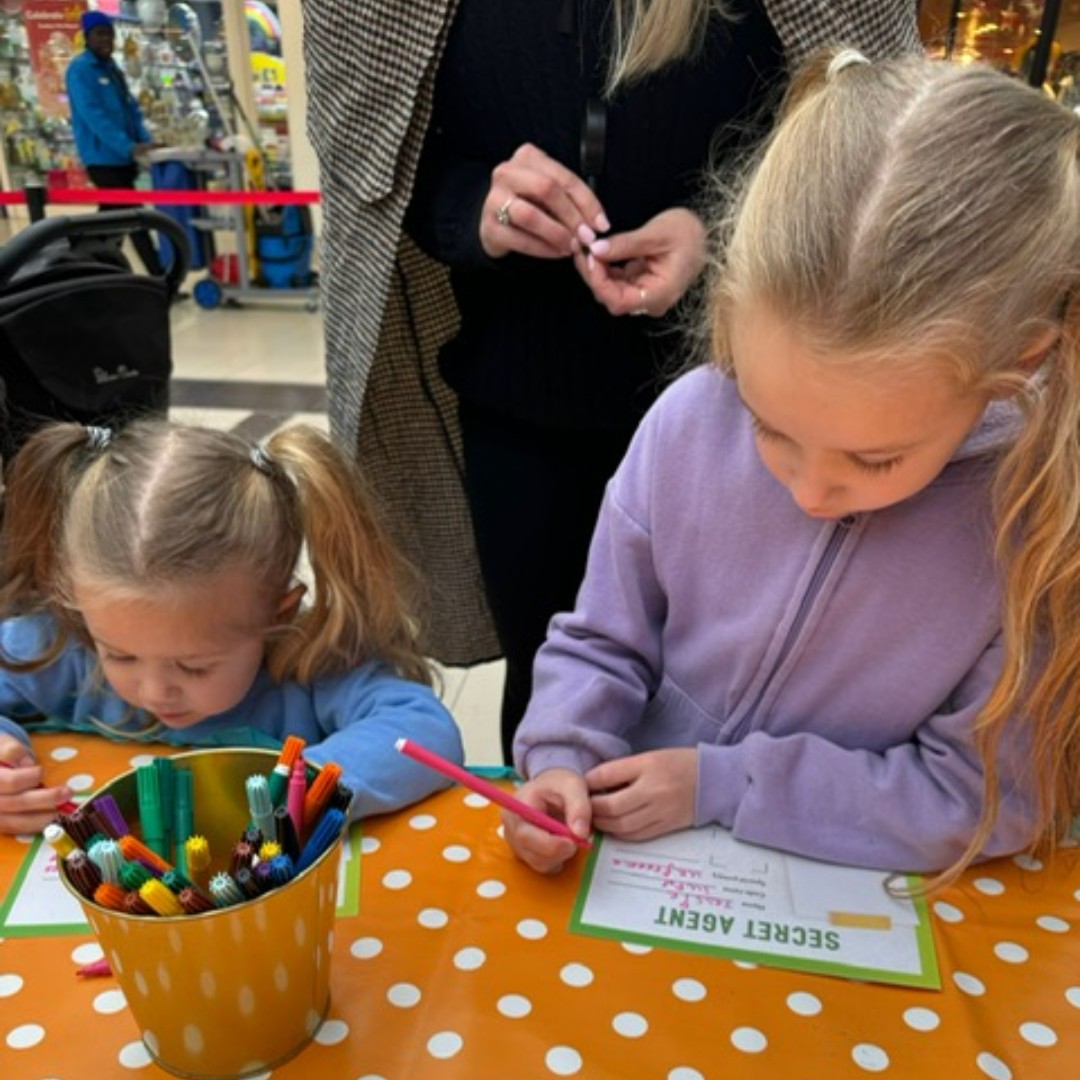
{"x": 841, "y": 528}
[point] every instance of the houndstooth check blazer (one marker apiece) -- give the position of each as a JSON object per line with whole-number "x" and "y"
{"x": 371, "y": 66}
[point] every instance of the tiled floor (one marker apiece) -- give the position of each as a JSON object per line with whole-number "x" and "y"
{"x": 261, "y": 366}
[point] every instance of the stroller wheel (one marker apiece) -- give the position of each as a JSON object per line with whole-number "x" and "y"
{"x": 208, "y": 294}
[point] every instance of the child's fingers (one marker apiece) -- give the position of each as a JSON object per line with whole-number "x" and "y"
{"x": 25, "y": 823}
{"x": 14, "y": 780}
{"x": 540, "y": 850}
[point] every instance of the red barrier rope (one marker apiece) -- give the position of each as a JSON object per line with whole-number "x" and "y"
{"x": 114, "y": 196}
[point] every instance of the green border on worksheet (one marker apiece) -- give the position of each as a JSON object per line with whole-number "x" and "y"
{"x": 928, "y": 978}
{"x": 33, "y": 929}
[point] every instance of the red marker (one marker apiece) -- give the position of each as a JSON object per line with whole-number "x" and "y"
{"x": 98, "y": 969}
{"x": 489, "y": 791}
{"x": 63, "y": 808}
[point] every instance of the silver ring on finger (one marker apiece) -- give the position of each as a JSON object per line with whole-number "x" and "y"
{"x": 502, "y": 215}
{"x": 643, "y": 303}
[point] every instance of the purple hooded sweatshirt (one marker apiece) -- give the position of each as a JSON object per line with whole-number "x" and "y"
{"x": 828, "y": 672}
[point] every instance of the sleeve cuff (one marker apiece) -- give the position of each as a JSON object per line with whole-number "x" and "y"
{"x": 722, "y": 783}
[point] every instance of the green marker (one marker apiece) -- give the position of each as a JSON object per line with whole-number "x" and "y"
{"x": 153, "y": 828}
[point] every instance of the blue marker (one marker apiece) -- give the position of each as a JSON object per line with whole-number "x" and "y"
{"x": 326, "y": 832}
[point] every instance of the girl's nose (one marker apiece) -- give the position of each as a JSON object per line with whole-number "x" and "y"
{"x": 811, "y": 488}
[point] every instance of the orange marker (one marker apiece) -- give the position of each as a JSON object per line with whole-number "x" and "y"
{"x": 321, "y": 791}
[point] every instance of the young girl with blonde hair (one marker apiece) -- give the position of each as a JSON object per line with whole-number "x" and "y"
{"x": 831, "y": 599}
{"x": 147, "y": 590}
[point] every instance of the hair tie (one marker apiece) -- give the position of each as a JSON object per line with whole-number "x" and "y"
{"x": 261, "y": 459}
{"x": 98, "y": 438}
{"x": 843, "y": 59}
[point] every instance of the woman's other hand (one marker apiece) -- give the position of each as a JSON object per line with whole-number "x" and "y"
{"x": 648, "y": 270}
{"x": 536, "y": 207}
{"x": 562, "y": 794}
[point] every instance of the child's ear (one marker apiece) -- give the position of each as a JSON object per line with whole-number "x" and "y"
{"x": 1031, "y": 359}
{"x": 289, "y": 604}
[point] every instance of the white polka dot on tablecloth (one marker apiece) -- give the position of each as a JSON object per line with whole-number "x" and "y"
{"x": 1038, "y": 1034}
{"x": 514, "y": 1006}
{"x": 372, "y": 1076}
{"x": 491, "y": 889}
{"x": 476, "y": 800}
{"x": 445, "y": 1044}
{"x": 369, "y": 845}
{"x": 684, "y": 1072}
{"x": 63, "y": 753}
{"x": 744, "y": 965}
{"x": 576, "y": 975}
{"x": 10, "y": 984}
{"x": 469, "y": 959}
{"x": 919, "y": 1019}
{"x": 749, "y": 1040}
{"x": 25, "y": 1036}
{"x": 948, "y": 913}
{"x": 423, "y": 822}
{"x": 870, "y": 1058}
{"x": 1027, "y": 862}
{"x": 532, "y": 929}
{"x": 81, "y": 782}
{"x": 332, "y": 1032}
{"x": 803, "y": 1004}
{"x": 1052, "y": 924}
{"x": 397, "y": 879}
{"x": 993, "y": 1067}
{"x": 366, "y": 947}
{"x": 87, "y": 953}
{"x": 1072, "y": 996}
{"x": 1010, "y": 952}
{"x": 403, "y": 995}
{"x": 969, "y": 984}
{"x": 634, "y": 949}
{"x": 630, "y": 1025}
{"x": 141, "y": 759}
{"x": 111, "y": 1001}
{"x": 989, "y": 886}
{"x": 457, "y": 853}
{"x": 563, "y": 1061}
{"x": 134, "y": 1056}
{"x": 689, "y": 990}
{"x": 433, "y": 918}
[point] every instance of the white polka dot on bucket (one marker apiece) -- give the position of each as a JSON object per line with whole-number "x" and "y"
{"x": 869, "y": 1057}
{"x": 749, "y": 1040}
{"x": 445, "y": 1044}
{"x": 993, "y": 1067}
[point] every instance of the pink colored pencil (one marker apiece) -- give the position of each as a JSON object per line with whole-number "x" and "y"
{"x": 489, "y": 791}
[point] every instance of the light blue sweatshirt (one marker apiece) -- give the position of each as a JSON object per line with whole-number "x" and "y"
{"x": 353, "y": 719}
{"x": 828, "y": 672}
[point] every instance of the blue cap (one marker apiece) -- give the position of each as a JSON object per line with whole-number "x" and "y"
{"x": 90, "y": 19}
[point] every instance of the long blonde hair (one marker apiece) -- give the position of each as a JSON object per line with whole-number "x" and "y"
{"x": 647, "y": 35}
{"x": 916, "y": 213}
{"x": 159, "y": 505}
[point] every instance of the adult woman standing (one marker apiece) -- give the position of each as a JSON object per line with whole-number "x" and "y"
{"x": 548, "y": 116}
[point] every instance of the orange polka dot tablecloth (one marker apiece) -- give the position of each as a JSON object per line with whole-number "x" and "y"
{"x": 460, "y": 967}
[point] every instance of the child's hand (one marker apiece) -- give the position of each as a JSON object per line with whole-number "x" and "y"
{"x": 24, "y": 806}
{"x": 562, "y": 794}
{"x": 646, "y": 795}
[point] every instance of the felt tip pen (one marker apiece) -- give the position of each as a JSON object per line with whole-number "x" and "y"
{"x": 489, "y": 791}
{"x": 96, "y": 970}
{"x": 63, "y": 808}
{"x": 149, "y": 793}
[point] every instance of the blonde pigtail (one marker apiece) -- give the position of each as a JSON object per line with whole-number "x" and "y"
{"x": 363, "y": 605}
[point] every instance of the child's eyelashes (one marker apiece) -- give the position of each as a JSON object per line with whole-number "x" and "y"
{"x": 184, "y": 669}
{"x": 195, "y": 672}
{"x": 874, "y": 468}
{"x": 877, "y": 468}
{"x": 761, "y": 431}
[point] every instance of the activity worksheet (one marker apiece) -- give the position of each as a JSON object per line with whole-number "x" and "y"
{"x": 703, "y": 890}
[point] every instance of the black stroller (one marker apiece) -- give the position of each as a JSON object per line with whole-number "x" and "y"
{"x": 83, "y": 337}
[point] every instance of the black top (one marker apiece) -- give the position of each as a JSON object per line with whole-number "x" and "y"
{"x": 534, "y": 343}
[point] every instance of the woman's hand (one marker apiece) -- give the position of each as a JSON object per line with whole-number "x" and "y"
{"x": 646, "y": 795}
{"x": 646, "y": 271}
{"x": 24, "y": 806}
{"x": 562, "y": 794}
{"x": 536, "y": 207}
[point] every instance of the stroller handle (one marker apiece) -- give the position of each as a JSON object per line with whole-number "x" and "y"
{"x": 109, "y": 223}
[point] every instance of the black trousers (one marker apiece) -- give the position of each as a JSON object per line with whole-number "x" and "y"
{"x": 534, "y": 494}
{"x": 123, "y": 176}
